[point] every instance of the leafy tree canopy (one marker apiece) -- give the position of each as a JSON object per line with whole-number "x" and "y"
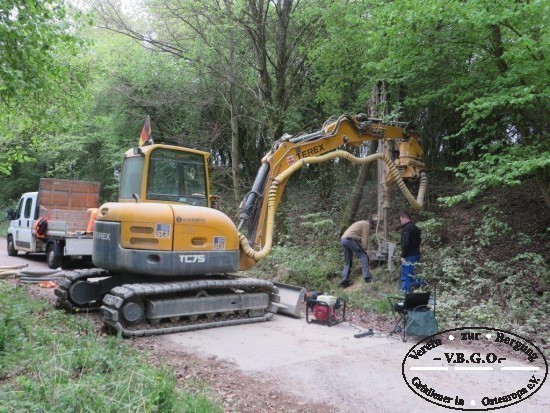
{"x": 481, "y": 60}
{"x": 37, "y": 77}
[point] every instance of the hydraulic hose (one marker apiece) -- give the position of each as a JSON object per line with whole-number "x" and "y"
{"x": 393, "y": 174}
{"x": 35, "y": 277}
{"x": 13, "y": 267}
{"x": 7, "y": 271}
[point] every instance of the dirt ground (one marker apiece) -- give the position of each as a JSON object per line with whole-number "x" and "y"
{"x": 287, "y": 365}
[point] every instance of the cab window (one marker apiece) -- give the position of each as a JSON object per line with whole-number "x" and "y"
{"x": 177, "y": 176}
{"x": 130, "y": 181}
{"x": 28, "y": 205}
{"x": 19, "y": 209}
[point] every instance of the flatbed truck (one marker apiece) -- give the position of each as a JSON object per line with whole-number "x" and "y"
{"x": 68, "y": 208}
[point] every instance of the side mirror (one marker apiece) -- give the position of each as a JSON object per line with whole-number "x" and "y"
{"x": 10, "y": 214}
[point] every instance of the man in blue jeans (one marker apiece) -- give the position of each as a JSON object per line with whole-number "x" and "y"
{"x": 354, "y": 241}
{"x": 410, "y": 252}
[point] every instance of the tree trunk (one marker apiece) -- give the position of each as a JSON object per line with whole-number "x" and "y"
{"x": 257, "y": 32}
{"x": 357, "y": 191}
{"x": 276, "y": 40}
{"x": 235, "y": 157}
{"x": 378, "y": 105}
{"x": 234, "y": 122}
{"x": 543, "y": 177}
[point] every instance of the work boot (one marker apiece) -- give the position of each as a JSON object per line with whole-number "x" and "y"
{"x": 346, "y": 283}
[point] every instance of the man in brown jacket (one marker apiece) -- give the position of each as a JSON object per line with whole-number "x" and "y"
{"x": 355, "y": 240}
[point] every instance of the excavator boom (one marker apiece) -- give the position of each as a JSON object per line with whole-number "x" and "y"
{"x": 290, "y": 153}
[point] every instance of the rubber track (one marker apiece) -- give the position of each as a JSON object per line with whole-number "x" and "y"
{"x": 70, "y": 277}
{"x": 119, "y": 295}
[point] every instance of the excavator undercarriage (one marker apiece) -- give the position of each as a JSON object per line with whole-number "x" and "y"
{"x": 143, "y": 309}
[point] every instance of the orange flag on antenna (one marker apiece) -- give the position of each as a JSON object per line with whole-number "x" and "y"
{"x": 145, "y": 138}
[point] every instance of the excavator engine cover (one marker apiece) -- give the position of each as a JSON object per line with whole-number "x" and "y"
{"x": 164, "y": 240}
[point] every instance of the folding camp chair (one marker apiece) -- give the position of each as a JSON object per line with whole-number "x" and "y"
{"x": 414, "y": 314}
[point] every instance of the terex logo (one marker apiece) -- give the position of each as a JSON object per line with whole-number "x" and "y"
{"x": 312, "y": 151}
{"x": 103, "y": 236}
{"x": 192, "y": 258}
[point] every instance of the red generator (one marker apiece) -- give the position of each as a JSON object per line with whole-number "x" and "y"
{"x": 324, "y": 309}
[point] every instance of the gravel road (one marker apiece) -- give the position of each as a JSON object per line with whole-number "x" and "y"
{"x": 287, "y": 365}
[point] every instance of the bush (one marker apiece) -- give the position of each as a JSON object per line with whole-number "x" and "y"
{"x": 510, "y": 294}
{"x": 491, "y": 227}
{"x": 432, "y": 232}
{"x": 314, "y": 269}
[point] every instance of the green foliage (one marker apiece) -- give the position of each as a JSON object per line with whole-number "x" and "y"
{"x": 309, "y": 252}
{"x": 51, "y": 361}
{"x": 432, "y": 231}
{"x": 4, "y": 224}
{"x": 338, "y": 59}
{"x": 472, "y": 75}
{"x": 500, "y": 166}
{"x": 370, "y": 297}
{"x": 313, "y": 268}
{"x": 478, "y": 292}
{"x": 491, "y": 227}
{"x": 39, "y": 78}
{"x": 313, "y": 226}
{"x": 34, "y": 37}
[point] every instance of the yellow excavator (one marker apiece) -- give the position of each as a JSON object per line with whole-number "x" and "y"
{"x": 168, "y": 262}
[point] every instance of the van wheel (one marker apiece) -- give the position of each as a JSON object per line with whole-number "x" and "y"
{"x": 53, "y": 260}
{"x": 12, "y": 252}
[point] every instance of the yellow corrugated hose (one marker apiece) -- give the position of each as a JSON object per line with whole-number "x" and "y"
{"x": 393, "y": 175}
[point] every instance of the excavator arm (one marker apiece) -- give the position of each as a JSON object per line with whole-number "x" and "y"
{"x": 290, "y": 153}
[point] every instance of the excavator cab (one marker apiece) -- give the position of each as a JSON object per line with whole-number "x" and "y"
{"x": 166, "y": 261}
{"x": 162, "y": 224}
{"x": 165, "y": 174}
